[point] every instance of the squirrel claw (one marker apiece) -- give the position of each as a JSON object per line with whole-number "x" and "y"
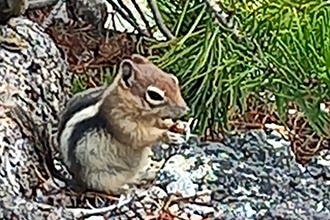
{"x": 173, "y": 138}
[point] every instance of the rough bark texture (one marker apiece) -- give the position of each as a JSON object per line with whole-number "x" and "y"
{"x": 33, "y": 75}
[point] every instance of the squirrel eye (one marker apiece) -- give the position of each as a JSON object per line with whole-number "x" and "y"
{"x": 154, "y": 95}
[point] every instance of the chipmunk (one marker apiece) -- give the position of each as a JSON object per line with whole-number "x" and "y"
{"x": 106, "y": 133}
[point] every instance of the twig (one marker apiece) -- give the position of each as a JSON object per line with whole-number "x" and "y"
{"x": 85, "y": 213}
{"x": 126, "y": 17}
{"x": 39, "y": 175}
{"x": 98, "y": 194}
{"x": 130, "y": 14}
{"x": 221, "y": 15}
{"x": 143, "y": 17}
{"x": 159, "y": 20}
{"x": 225, "y": 19}
{"x": 50, "y": 18}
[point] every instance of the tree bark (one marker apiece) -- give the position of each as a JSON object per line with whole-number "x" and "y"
{"x": 35, "y": 4}
{"x": 34, "y": 76}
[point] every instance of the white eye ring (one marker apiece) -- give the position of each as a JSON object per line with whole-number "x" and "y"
{"x": 155, "y": 96}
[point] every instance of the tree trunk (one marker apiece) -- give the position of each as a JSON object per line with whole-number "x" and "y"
{"x": 34, "y": 76}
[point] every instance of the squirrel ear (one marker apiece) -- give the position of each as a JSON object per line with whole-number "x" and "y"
{"x": 127, "y": 74}
{"x": 137, "y": 58}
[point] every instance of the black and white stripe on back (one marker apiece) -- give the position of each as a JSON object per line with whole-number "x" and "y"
{"x": 81, "y": 116}
{"x": 77, "y": 103}
{"x": 97, "y": 125}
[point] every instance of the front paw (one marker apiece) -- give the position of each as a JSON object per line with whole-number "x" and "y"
{"x": 182, "y": 127}
{"x": 165, "y": 123}
{"x": 173, "y": 138}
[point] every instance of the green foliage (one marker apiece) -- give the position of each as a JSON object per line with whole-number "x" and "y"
{"x": 81, "y": 81}
{"x": 280, "y": 46}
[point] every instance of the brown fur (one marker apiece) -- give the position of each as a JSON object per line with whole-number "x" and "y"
{"x": 127, "y": 107}
{"x": 113, "y": 159}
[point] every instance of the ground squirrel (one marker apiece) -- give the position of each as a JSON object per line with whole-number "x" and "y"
{"x": 105, "y": 133}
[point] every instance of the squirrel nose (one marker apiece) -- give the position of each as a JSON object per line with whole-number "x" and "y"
{"x": 183, "y": 109}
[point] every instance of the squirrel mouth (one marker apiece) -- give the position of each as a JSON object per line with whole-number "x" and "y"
{"x": 169, "y": 118}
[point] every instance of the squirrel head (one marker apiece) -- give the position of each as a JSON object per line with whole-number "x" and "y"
{"x": 145, "y": 87}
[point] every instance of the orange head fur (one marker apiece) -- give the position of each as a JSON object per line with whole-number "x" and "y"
{"x": 148, "y": 90}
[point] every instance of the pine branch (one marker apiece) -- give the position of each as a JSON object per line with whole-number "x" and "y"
{"x": 142, "y": 16}
{"x": 127, "y": 18}
{"x": 159, "y": 20}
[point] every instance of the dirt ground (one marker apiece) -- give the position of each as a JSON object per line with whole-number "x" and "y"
{"x": 86, "y": 49}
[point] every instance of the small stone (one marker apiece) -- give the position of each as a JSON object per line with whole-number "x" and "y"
{"x": 175, "y": 163}
{"x": 141, "y": 213}
{"x": 199, "y": 173}
{"x": 165, "y": 146}
{"x": 58, "y": 182}
{"x": 210, "y": 176}
{"x": 205, "y": 198}
{"x": 174, "y": 209}
{"x": 199, "y": 209}
{"x": 29, "y": 206}
{"x": 147, "y": 206}
{"x": 184, "y": 216}
{"x": 39, "y": 195}
{"x": 157, "y": 192}
{"x": 195, "y": 217}
{"x": 292, "y": 111}
{"x": 319, "y": 206}
{"x": 183, "y": 186}
{"x": 130, "y": 214}
{"x": 315, "y": 170}
{"x": 327, "y": 173}
{"x": 138, "y": 205}
{"x": 124, "y": 208}
{"x": 122, "y": 216}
